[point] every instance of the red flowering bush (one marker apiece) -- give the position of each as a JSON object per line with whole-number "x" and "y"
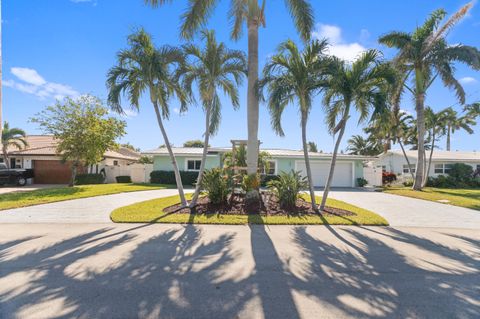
{"x": 388, "y": 178}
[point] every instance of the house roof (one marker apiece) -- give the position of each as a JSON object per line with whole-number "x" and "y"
{"x": 197, "y": 151}
{"x": 46, "y": 145}
{"x": 452, "y": 156}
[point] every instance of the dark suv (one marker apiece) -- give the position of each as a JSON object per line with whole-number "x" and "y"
{"x": 14, "y": 175}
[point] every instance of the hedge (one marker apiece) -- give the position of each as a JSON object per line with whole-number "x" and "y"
{"x": 87, "y": 179}
{"x": 123, "y": 179}
{"x": 168, "y": 177}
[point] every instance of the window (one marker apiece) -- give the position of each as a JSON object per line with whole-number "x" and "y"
{"x": 115, "y": 163}
{"x": 442, "y": 168}
{"x": 193, "y": 165}
{"x": 270, "y": 169}
{"x": 405, "y": 168}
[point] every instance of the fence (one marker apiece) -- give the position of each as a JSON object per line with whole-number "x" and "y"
{"x": 139, "y": 173}
{"x": 373, "y": 175}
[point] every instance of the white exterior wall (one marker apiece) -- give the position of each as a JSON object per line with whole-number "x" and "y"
{"x": 139, "y": 173}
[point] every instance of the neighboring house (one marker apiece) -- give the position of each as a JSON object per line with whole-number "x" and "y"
{"x": 40, "y": 154}
{"x": 348, "y": 168}
{"x": 394, "y": 161}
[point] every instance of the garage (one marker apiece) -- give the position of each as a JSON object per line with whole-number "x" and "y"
{"x": 343, "y": 176}
{"x": 51, "y": 172}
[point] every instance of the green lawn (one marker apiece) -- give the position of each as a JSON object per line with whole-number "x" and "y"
{"x": 57, "y": 194}
{"x": 469, "y": 198}
{"x": 151, "y": 211}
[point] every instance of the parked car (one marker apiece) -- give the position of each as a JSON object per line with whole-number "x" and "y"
{"x": 14, "y": 175}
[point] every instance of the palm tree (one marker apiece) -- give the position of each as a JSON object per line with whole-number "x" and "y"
{"x": 251, "y": 13}
{"x": 295, "y": 77}
{"x": 425, "y": 55}
{"x": 213, "y": 68}
{"x": 12, "y": 137}
{"x": 453, "y": 122}
{"x": 435, "y": 125}
{"x": 358, "y": 145}
{"x": 140, "y": 68}
{"x": 312, "y": 147}
{"x": 362, "y": 84}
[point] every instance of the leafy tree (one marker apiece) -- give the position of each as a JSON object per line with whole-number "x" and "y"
{"x": 251, "y": 13}
{"x": 423, "y": 56}
{"x": 145, "y": 159}
{"x": 295, "y": 77}
{"x": 312, "y": 147}
{"x": 83, "y": 129}
{"x": 130, "y": 147}
{"x": 212, "y": 68}
{"x": 454, "y": 122}
{"x": 194, "y": 143}
{"x": 143, "y": 68}
{"x": 12, "y": 137}
{"x": 362, "y": 84}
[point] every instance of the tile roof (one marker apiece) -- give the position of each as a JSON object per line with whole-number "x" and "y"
{"x": 443, "y": 155}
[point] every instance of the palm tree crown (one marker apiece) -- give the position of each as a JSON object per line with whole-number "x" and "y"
{"x": 12, "y": 137}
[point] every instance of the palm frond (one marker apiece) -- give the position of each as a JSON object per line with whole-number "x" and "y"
{"x": 302, "y": 14}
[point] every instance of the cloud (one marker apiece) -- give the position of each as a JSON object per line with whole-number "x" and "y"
{"x": 338, "y": 46}
{"x": 468, "y": 80}
{"x": 31, "y": 82}
{"x": 176, "y": 110}
{"x": 94, "y": 2}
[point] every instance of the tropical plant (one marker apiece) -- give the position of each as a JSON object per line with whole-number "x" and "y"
{"x": 361, "y": 182}
{"x": 312, "y": 147}
{"x": 217, "y": 184}
{"x": 194, "y": 143}
{"x": 358, "y": 145}
{"x": 287, "y": 188}
{"x": 140, "y": 68}
{"x": 130, "y": 147}
{"x": 241, "y": 158}
{"x": 251, "y": 13}
{"x": 435, "y": 126}
{"x": 12, "y": 138}
{"x": 423, "y": 56}
{"x": 145, "y": 159}
{"x": 294, "y": 76}
{"x": 213, "y": 68}
{"x": 455, "y": 122}
{"x": 362, "y": 84}
{"x": 250, "y": 182}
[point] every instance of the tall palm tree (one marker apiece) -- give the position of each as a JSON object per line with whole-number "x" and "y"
{"x": 312, "y": 147}
{"x": 454, "y": 122}
{"x": 362, "y": 84}
{"x": 358, "y": 145}
{"x": 143, "y": 68}
{"x": 425, "y": 55}
{"x": 212, "y": 68}
{"x": 295, "y": 77}
{"x": 12, "y": 137}
{"x": 251, "y": 13}
{"x": 435, "y": 125}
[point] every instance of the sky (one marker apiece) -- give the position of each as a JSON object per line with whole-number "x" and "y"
{"x": 58, "y": 48}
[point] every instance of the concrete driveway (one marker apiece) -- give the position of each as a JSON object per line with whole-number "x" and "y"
{"x": 411, "y": 212}
{"x": 174, "y": 271}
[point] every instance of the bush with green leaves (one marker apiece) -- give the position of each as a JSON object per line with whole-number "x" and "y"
{"x": 218, "y": 184}
{"x": 168, "y": 177}
{"x": 361, "y": 182}
{"x": 123, "y": 179}
{"x": 287, "y": 188}
{"x": 89, "y": 179}
{"x": 459, "y": 176}
{"x": 250, "y": 182}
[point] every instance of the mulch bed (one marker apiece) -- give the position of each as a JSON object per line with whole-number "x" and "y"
{"x": 269, "y": 206}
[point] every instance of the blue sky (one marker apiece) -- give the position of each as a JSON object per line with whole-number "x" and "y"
{"x": 54, "y": 48}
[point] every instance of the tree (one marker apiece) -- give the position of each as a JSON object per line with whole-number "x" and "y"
{"x": 12, "y": 137}
{"x": 143, "y": 68}
{"x": 312, "y": 147}
{"x": 435, "y": 126}
{"x": 358, "y": 145}
{"x": 130, "y": 147}
{"x": 362, "y": 84}
{"x": 145, "y": 159}
{"x": 194, "y": 143}
{"x": 295, "y": 77}
{"x": 212, "y": 68}
{"x": 251, "y": 13}
{"x": 83, "y": 129}
{"x": 454, "y": 122}
{"x": 423, "y": 56}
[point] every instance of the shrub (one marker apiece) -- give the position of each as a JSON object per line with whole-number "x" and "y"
{"x": 361, "y": 182}
{"x": 88, "y": 179}
{"x": 168, "y": 177}
{"x": 388, "y": 178}
{"x": 461, "y": 173}
{"x": 408, "y": 182}
{"x": 250, "y": 182}
{"x": 217, "y": 183}
{"x": 123, "y": 179}
{"x": 287, "y": 188}
{"x": 264, "y": 179}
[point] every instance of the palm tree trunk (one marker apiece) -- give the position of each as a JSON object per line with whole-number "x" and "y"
{"x": 425, "y": 180}
{"x": 448, "y": 137}
{"x": 419, "y": 171}
{"x": 332, "y": 164}
{"x": 307, "y": 162}
{"x": 252, "y": 98}
{"x": 178, "y": 179}
{"x": 5, "y": 155}
{"x": 74, "y": 174}
{"x": 406, "y": 157}
{"x": 193, "y": 202}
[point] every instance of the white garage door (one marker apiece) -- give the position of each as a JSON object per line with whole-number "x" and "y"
{"x": 341, "y": 178}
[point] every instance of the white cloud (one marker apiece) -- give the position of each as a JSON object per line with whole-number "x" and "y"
{"x": 31, "y": 82}
{"x": 176, "y": 110}
{"x": 468, "y": 80}
{"x": 338, "y": 46}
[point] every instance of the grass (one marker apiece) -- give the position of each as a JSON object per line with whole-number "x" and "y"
{"x": 151, "y": 211}
{"x": 469, "y": 198}
{"x": 57, "y": 194}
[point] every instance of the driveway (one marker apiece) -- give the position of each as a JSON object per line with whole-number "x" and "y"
{"x": 175, "y": 271}
{"x": 411, "y": 212}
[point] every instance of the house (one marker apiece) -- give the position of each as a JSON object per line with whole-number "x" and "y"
{"x": 394, "y": 161}
{"x": 40, "y": 154}
{"x": 348, "y": 168}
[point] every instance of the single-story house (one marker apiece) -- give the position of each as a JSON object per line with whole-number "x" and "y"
{"x": 394, "y": 161}
{"x": 348, "y": 168}
{"x": 40, "y": 154}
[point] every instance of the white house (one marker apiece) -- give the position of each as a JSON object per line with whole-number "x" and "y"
{"x": 394, "y": 161}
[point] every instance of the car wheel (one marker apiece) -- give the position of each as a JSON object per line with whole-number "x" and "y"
{"x": 21, "y": 181}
